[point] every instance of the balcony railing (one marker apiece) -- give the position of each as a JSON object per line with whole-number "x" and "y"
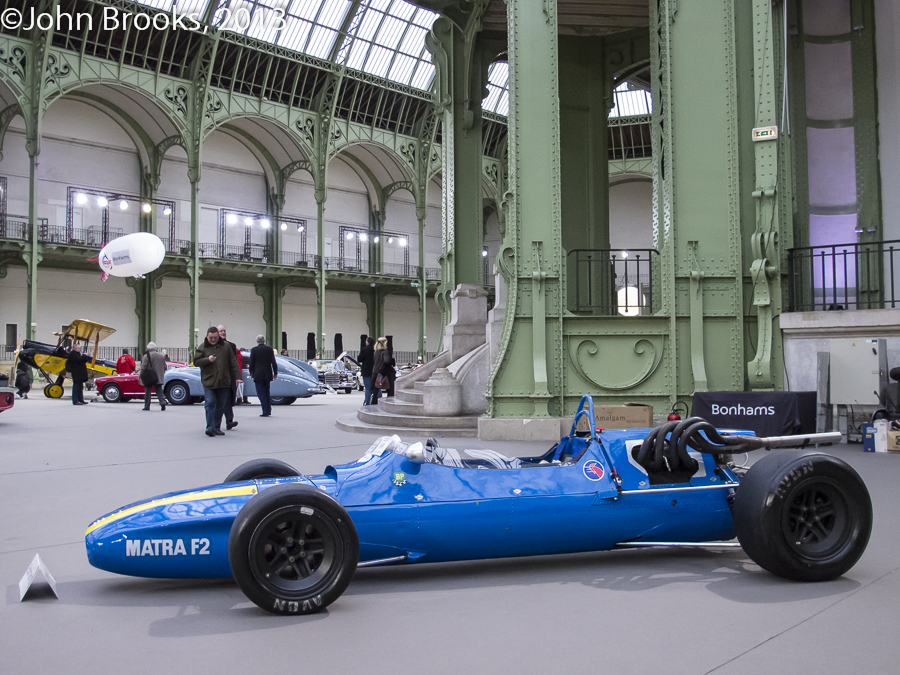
{"x": 177, "y": 246}
{"x": 372, "y": 267}
{"x": 844, "y": 276}
{"x": 610, "y": 282}
{"x": 299, "y": 259}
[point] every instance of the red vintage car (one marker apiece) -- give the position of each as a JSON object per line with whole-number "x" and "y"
{"x": 7, "y": 398}
{"x": 115, "y": 388}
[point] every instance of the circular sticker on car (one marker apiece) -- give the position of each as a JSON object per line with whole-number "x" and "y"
{"x": 593, "y": 470}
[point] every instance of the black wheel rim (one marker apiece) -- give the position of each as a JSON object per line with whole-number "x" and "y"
{"x": 817, "y": 521}
{"x": 293, "y": 551}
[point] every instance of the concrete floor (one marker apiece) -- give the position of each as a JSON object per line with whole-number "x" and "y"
{"x": 634, "y": 611}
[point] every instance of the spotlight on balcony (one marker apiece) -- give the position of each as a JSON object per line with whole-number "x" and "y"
{"x": 363, "y": 237}
{"x": 349, "y": 235}
{"x": 230, "y": 219}
{"x": 123, "y": 204}
{"x": 167, "y": 210}
{"x": 102, "y": 202}
{"x": 376, "y": 238}
{"x": 283, "y": 227}
{"x": 403, "y": 242}
{"x": 484, "y": 253}
{"x": 81, "y": 198}
{"x": 264, "y": 222}
{"x": 248, "y": 221}
{"x": 390, "y": 240}
{"x": 299, "y": 228}
{"x": 146, "y": 208}
{"x": 624, "y": 254}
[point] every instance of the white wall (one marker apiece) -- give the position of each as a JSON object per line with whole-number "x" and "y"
{"x": 631, "y": 215}
{"x": 887, "y": 46}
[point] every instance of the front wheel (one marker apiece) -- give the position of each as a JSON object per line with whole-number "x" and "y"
{"x": 112, "y": 393}
{"x": 54, "y": 391}
{"x": 293, "y": 549}
{"x": 803, "y": 515}
{"x": 283, "y": 400}
{"x": 178, "y": 393}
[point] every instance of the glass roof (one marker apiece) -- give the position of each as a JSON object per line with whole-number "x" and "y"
{"x": 385, "y": 38}
{"x": 497, "y": 100}
{"x": 629, "y": 102}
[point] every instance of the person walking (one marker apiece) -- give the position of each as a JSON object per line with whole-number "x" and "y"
{"x": 23, "y": 379}
{"x": 153, "y": 372}
{"x": 366, "y": 360}
{"x": 379, "y": 367}
{"x": 218, "y": 368}
{"x": 263, "y": 369}
{"x": 76, "y": 364}
{"x": 125, "y": 365}
{"x": 230, "y": 422}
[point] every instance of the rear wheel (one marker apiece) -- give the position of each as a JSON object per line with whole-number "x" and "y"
{"x": 256, "y": 469}
{"x": 54, "y": 391}
{"x": 46, "y": 391}
{"x": 178, "y": 393}
{"x": 293, "y": 549}
{"x": 803, "y": 515}
{"x": 112, "y": 393}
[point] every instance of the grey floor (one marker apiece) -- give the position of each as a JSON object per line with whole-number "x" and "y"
{"x": 621, "y": 611}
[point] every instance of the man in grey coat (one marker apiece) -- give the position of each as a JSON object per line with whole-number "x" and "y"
{"x": 153, "y": 372}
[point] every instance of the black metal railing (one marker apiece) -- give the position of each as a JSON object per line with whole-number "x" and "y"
{"x": 177, "y": 246}
{"x": 611, "y": 281}
{"x": 299, "y": 259}
{"x": 13, "y": 228}
{"x": 844, "y": 276}
{"x": 372, "y": 267}
{"x": 78, "y": 236}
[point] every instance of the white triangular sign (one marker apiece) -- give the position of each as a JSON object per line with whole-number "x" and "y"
{"x": 26, "y": 581}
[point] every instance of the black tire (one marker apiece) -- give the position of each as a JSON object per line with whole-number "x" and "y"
{"x": 269, "y": 549}
{"x": 112, "y": 393}
{"x": 803, "y": 515}
{"x": 178, "y": 393}
{"x": 283, "y": 400}
{"x": 347, "y": 390}
{"x": 261, "y": 468}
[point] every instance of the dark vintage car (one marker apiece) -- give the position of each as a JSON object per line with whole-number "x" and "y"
{"x": 339, "y": 373}
{"x": 7, "y": 398}
{"x": 116, "y": 388}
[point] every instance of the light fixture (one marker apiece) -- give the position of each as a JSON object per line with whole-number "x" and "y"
{"x": 283, "y": 227}
{"x": 299, "y": 228}
{"x": 146, "y": 208}
{"x": 363, "y": 236}
{"x": 630, "y": 301}
{"x": 484, "y": 253}
{"x": 372, "y": 285}
{"x": 264, "y": 222}
{"x": 624, "y": 254}
{"x": 390, "y": 240}
{"x": 230, "y": 219}
{"x": 102, "y": 202}
{"x": 167, "y": 210}
{"x": 259, "y": 274}
{"x": 403, "y": 242}
{"x": 349, "y": 235}
{"x": 81, "y": 198}
{"x": 123, "y": 204}
{"x": 248, "y": 221}
{"x": 376, "y": 238}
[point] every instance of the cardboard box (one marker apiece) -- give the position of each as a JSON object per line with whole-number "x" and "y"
{"x": 893, "y": 441}
{"x": 620, "y": 417}
{"x": 881, "y": 435}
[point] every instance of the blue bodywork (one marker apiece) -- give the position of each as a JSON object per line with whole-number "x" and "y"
{"x": 427, "y": 512}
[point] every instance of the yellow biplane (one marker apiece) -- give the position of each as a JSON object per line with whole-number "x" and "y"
{"x": 50, "y": 360}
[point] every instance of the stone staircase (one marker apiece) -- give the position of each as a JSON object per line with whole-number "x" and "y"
{"x": 403, "y": 413}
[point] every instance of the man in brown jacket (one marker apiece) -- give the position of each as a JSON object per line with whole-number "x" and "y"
{"x": 218, "y": 367}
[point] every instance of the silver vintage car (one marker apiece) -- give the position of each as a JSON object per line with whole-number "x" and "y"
{"x": 295, "y": 380}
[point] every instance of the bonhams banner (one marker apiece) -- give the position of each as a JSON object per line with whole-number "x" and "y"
{"x": 768, "y": 413}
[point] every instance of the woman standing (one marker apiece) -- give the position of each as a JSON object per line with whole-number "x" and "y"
{"x": 379, "y": 369}
{"x": 23, "y": 379}
{"x": 153, "y": 372}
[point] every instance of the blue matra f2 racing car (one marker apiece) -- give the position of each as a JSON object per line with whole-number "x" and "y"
{"x": 293, "y": 542}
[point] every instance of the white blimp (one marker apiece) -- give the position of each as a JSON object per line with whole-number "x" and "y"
{"x": 132, "y": 255}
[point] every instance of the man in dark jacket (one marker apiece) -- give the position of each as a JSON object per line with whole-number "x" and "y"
{"x": 218, "y": 368}
{"x": 263, "y": 369}
{"x": 229, "y": 406}
{"x": 76, "y": 364}
{"x": 366, "y": 360}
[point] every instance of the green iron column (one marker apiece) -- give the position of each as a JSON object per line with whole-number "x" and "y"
{"x": 423, "y": 279}
{"x": 460, "y": 74}
{"x": 145, "y": 289}
{"x": 321, "y": 278}
{"x": 527, "y": 378}
{"x": 34, "y": 254}
{"x": 194, "y": 266}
